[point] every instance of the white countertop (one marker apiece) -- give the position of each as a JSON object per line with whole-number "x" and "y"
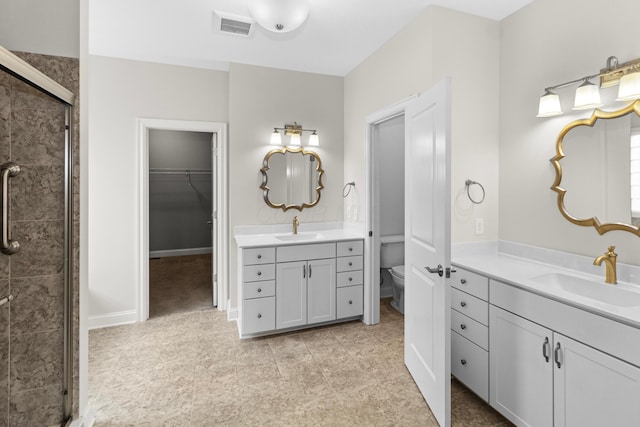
{"x": 582, "y": 290}
{"x": 282, "y": 234}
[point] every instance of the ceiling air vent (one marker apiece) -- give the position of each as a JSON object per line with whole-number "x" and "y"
{"x": 228, "y": 23}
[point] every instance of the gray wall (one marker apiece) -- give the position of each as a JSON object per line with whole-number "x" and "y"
{"x": 178, "y": 212}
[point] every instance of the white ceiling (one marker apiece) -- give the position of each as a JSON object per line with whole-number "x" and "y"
{"x": 338, "y": 35}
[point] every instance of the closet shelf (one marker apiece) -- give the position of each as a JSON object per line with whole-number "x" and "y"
{"x": 160, "y": 171}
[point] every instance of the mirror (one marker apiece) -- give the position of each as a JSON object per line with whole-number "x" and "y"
{"x": 291, "y": 178}
{"x": 597, "y": 166}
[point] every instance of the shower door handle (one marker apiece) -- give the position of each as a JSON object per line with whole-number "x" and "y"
{"x": 7, "y": 246}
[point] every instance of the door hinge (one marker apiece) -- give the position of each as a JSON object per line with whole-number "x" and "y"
{"x": 215, "y": 278}
{"x": 370, "y": 233}
{"x": 214, "y": 215}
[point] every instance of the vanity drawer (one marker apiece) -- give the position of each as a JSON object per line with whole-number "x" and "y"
{"x": 305, "y": 252}
{"x": 258, "y": 256}
{"x": 350, "y": 278}
{"x": 470, "y": 329}
{"x": 252, "y": 273}
{"x": 259, "y": 289}
{"x": 353, "y": 247}
{"x": 349, "y": 263}
{"x": 258, "y": 315}
{"x": 471, "y": 306}
{"x": 349, "y": 301}
{"x": 470, "y": 364}
{"x": 471, "y": 283}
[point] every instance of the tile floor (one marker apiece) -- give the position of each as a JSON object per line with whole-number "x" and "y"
{"x": 190, "y": 369}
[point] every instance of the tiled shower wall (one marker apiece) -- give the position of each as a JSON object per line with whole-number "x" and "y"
{"x": 31, "y": 326}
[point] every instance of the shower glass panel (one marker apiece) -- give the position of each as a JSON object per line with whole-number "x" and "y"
{"x": 36, "y": 366}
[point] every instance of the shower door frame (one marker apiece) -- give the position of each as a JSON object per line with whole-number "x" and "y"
{"x": 30, "y": 75}
{"x": 220, "y": 205}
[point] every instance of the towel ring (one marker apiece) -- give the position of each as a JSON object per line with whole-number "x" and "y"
{"x": 347, "y": 188}
{"x": 468, "y": 183}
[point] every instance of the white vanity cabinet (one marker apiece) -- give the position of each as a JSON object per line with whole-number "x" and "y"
{"x": 470, "y": 330}
{"x": 257, "y": 290}
{"x": 298, "y": 285}
{"x": 541, "y": 377}
{"x": 350, "y": 279}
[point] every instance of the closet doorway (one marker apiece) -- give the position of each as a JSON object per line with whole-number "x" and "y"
{"x": 180, "y": 221}
{"x": 183, "y": 217}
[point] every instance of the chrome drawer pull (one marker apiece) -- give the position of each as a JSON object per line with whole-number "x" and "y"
{"x": 558, "y": 355}
{"x": 463, "y": 304}
{"x": 259, "y": 256}
{"x": 259, "y": 290}
{"x": 546, "y": 347}
{"x": 259, "y": 273}
{"x": 463, "y": 326}
{"x": 463, "y": 361}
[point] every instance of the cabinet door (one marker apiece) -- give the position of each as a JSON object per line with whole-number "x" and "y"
{"x": 520, "y": 369}
{"x": 593, "y": 388}
{"x": 291, "y": 294}
{"x": 321, "y": 290}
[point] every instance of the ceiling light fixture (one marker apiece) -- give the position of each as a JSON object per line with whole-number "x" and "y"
{"x": 587, "y": 95}
{"x": 295, "y": 132}
{"x": 279, "y": 16}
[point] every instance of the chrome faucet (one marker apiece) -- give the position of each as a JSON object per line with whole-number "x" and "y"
{"x": 609, "y": 259}
{"x": 296, "y": 223}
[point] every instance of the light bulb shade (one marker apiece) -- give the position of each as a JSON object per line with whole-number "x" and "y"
{"x": 587, "y": 96}
{"x": 279, "y": 16}
{"x": 314, "y": 140}
{"x": 276, "y": 139}
{"x": 549, "y": 105}
{"x": 295, "y": 139}
{"x": 629, "y": 87}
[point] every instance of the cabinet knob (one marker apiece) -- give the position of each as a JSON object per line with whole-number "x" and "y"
{"x": 463, "y": 281}
{"x": 463, "y": 361}
{"x": 350, "y": 264}
{"x": 259, "y": 316}
{"x": 350, "y": 249}
{"x": 259, "y": 273}
{"x": 259, "y": 256}
{"x": 259, "y": 289}
{"x": 463, "y": 304}
{"x": 351, "y": 279}
{"x": 463, "y": 326}
{"x": 350, "y": 302}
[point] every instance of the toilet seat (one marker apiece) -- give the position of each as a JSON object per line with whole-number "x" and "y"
{"x": 398, "y": 271}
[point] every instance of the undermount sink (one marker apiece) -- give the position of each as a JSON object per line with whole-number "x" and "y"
{"x": 300, "y": 236}
{"x": 615, "y": 295}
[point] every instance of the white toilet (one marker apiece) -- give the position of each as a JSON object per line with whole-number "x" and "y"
{"x": 392, "y": 259}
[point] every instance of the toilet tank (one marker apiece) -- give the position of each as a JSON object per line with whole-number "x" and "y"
{"x": 391, "y": 250}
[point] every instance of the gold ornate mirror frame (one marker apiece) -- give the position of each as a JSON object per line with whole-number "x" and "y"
{"x": 593, "y": 221}
{"x": 265, "y": 188}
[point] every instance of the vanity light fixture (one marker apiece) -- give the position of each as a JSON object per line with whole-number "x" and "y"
{"x": 279, "y": 16}
{"x": 587, "y": 95}
{"x": 295, "y": 132}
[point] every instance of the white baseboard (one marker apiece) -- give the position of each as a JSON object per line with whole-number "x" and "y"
{"x": 113, "y": 319}
{"x": 179, "y": 252}
{"x": 232, "y": 314}
{"x": 86, "y": 420}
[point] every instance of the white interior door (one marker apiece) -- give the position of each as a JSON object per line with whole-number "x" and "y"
{"x": 214, "y": 218}
{"x": 427, "y": 245}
